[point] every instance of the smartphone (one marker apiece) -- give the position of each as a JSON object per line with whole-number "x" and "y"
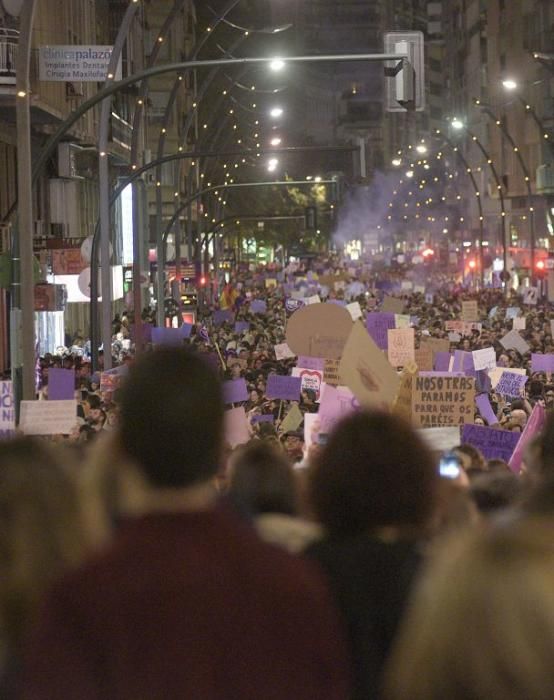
{"x": 450, "y": 466}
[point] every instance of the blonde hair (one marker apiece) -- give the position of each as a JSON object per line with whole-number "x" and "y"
{"x": 481, "y": 624}
{"x": 41, "y": 533}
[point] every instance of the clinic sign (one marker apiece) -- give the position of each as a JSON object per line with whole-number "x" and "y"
{"x": 7, "y": 410}
{"x": 86, "y": 63}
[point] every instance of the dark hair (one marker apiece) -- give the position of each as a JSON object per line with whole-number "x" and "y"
{"x": 262, "y": 480}
{"x": 494, "y": 491}
{"x": 374, "y": 471}
{"x": 171, "y": 418}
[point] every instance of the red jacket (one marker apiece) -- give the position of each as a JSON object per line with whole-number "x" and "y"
{"x": 188, "y": 605}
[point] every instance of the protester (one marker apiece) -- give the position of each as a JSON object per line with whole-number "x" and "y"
{"x": 481, "y": 624}
{"x": 41, "y": 536}
{"x": 374, "y": 490}
{"x": 186, "y": 601}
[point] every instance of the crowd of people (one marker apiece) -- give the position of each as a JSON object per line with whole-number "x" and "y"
{"x": 176, "y": 556}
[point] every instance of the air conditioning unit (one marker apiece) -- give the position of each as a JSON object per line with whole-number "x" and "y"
{"x": 545, "y": 179}
{"x": 73, "y": 90}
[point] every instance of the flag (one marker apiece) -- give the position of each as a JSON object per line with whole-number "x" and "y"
{"x": 203, "y": 334}
{"x": 228, "y": 297}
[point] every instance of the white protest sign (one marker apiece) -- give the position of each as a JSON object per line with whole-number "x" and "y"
{"x": 283, "y": 352}
{"x": 440, "y": 439}
{"x": 520, "y": 323}
{"x": 484, "y": 358}
{"x": 311, "y": 379}
{"x": 312, "y": 300}
{"x": 401, "y": 348}
{"x": 531, "y": 296}
{"x": 401, "y": 321}
{"x": 354, "y": 310}
{"x": 236, "y": 426}
{"x": 48, "y": 417}
{"x": 513, "y": 340}
{"x": 7, "y": 412}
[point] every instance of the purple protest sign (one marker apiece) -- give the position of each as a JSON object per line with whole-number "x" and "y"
{"x": 463, "y": 362}
{"x": 511, "y": 384}
{"x": 442, "y": 361}
{"x": 317, "y": 363}
{"x": 186, "y": 330}
{"x": 285, "y": 388}
{"x": 242, "y": 326}
{"x": 533, "y": 426}
{"x": 257, "y": 306}
{"x": 493, "y": 444}
{"x": 483, "y": 382}
{"x": 168, "y": 336}
{"x": 146, "y": 332}
{"x": 292, "y": 305}
{"x": 335, "y": 404}
{"x": 485, "y": 409}
{"x": 61, "y": 384}
{"x": 542, "y": 363}
{"x": 235, "y": 391}
{"x": 378, "y": 325}
{"x": 338, "y": 302}
{"x": 264, "y": 418}
{"x": 222, "y": 316}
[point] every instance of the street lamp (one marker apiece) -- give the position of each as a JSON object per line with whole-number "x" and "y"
{"x": 510, "y": 84}
{"x": 397, "y": 162}
{"x": 277, "y": 65}
{"x": 276, "y": 141}
{"x": 276, "y": 112}
{"x": 421, "y": 148}
{"x": 272, "y": 164}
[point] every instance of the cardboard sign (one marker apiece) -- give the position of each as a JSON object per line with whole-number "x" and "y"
{"x": 283, "y": 352}
{"x": 463, "y": 328}
{"x": 366, "y": 371}
{"x": 378, "y": 325}
{"x": 513, "y": 341}
{"x": 511, "y": 384}
{"x": 61, "y": 384}
{"x": 319, "y": 330}
{"x": 485, "y": 409}
{"x": 484, "y": 359}
{"x": 542, "y": 363}
{"x": 236, "y": 427}
{"x": 336, "y": 404}
{"x": 7, "y": 410}
{"x": 292, "y": 421}
{"x": 331, "y": 372}
{"x": 235, "y": 391}
{"x": 355, "y": 310}
{"x": 311, "y": 379}
{"x": 424, "y": 358}
{"x": 436, "y": 344}
{"x": 534, "y": 425}
{"x": 401, "y": 348}
{"x": 519, "y": 323}
{"x": 440, "y": 439}
{"x": 392, "y": 305}
{"x": 311, "y": 362}
{"x": 48, "y": 417}
{"x": 470, "y": 311}
{"x": 531, "y": 296}
{"x": 403, "y": 403}
{"x": 492, "y": 443}
{"x": 284, "y": 388}
{"x": 444, "y": 400}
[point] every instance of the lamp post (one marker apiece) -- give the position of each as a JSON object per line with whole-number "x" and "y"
{"x": 512, "y": 86}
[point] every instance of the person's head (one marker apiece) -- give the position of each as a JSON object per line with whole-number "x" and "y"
{"x": 171, "y": 418}
{"x": 41, "y": 532}
{"x": 495, "y": 491}
{"x": 374, "y": 472}
{"x": 262, "y": 480}
{"x": 481, "y": 624}
{"x": 471, "y": 458}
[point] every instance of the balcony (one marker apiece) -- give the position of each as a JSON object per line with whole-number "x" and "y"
{"x": 9, "y": 40}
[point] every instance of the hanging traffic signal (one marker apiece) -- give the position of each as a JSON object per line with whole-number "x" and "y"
{"x": 310, "y": 215}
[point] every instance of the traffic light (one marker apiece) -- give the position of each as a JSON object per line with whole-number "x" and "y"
{"x": 540, "y": 267}
{"x": 310, "y": 215}
{"x": 405, "y": 84}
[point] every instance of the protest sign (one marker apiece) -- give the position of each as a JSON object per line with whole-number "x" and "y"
{"x": 221, "y": 316}
{"x": 311, "y": 429}
{"x": 454, "y": 337}
{"x": 401, "y": 349}
{"x": 109, "y": 382}
{"x": 497, "y": 372}
{"x": 513, "y": 341}
{"x": 531, "y": 296}
{"x": 419, "y": 289}
{"x": 355, "y": 310}
{"x": 168, "y": 336}
{"x": 512, "y": 312}
{"x": 402, "y": 321}
{"x": 258, "y": 306}
{"x": 283, "y": 387}
{"x": 424, "y": 358}
{"x": 331, "y": 372}
{"x": 235, "y": 391}
{"x": 378, "y": 325}
{"x": 493, "y": 443}
{"x": 493, "y": 312}
{"x": 311, "y": 379}
{"x": 443, "y": 400}
{"x": 392, "y": 305}
{"x": 270, "y": 283}
{"x": 552, "y": 327}
{"x": 263, "y": 418}
{"x": 483, "y": 382}
{"x": 283, "y": 352}
{"x": 319, "y": 330}
{"x": 61, "y": 384}
{"x": 442, "y": 361}
{"x": 534, "y": 425}
{"x": 292, "y": 421}
{"x": 406, "y": 285}
{"x": 484, "y": 358}
{"x": 236, "y": 427}
{"x": 315, "y": 299}
{"x": 542, "y": 363}
{"x": 311, "y": 362}
{"x": 436, "y": 344}
{"x": 511, "y": 384}
{"x": 463, "y": 328}
{"x": 470, "y": 311}
{"x": 292, "y": 305}
{"x": 403, "y": 403}
{"x": 366, "y": 371}
{"x": 7, "y": 410}
{"x": 429, "y": 298}
{"x": 48, "y": 417}
{"x": 485, "y": 409}
{"x": 336, "y": 403}
{"x": 242, "y": 326}
{"x": 463, "y": 362}
{"x": 440, "y": 439}
{"x": 519, "y": 323}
